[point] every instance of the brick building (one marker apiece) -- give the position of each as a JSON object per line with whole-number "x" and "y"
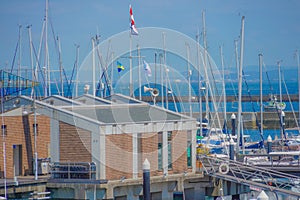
{"x": 117, "y": 134}
{"x": 18, "y": 128}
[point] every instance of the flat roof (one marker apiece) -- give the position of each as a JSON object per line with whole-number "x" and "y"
{"x": 129, "y": 113}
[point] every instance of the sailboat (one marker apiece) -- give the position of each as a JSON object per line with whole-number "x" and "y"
{"x": 273, "y": 105}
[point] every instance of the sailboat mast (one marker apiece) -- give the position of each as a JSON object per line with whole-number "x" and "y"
{"x": 240, "y": 86}
{"x": 47, "y": 67}
{"x": 93, "y": 67}
{"x": 199, "y": 84}
{"x": 76, "y": 70}
{"x": 223, "y": 85}
{"x": 261, "y": 93}
{"x": 189, "y": 78}
{"x": 280, "y": 100}
{"x": 60, "y": 68}
{"x": 166, "y": 73}
{"x": 298, "y": 63}
{"x": 205, "y": 66}
{"x": 31, "y": 56}
{"x": 20, "y": 56}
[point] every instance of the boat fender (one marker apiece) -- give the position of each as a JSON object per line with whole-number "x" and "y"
{"x": 224, "y": 168}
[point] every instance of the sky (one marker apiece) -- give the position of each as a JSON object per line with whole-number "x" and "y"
{"x": 271, "y": 26}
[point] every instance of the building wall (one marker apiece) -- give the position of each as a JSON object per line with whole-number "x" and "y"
{"x": 149, "y": 149}
{"x": 118, "y": 156}
{"x": 75, "y": 144}
{"x": 179, "y": 152}
{"x": 20, "y": 131}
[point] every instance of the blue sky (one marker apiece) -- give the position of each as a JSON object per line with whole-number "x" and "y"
{"x": 271, "y": 27}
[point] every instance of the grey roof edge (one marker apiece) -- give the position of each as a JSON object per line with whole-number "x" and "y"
{"x": 57, "y": 108}
{"x": 95, "y": 97}
{"x": 63, "y": 99}
{"x": 129, "y": 98}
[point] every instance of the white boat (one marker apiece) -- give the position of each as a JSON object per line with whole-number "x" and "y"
{"x": 273, "y": 104}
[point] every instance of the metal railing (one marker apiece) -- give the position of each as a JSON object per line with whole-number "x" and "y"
{"x": 249, "y": 175}
{"x": 73, "y": 170}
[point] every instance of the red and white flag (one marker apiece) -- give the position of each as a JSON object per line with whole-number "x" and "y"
{"x": 134, "y": 31}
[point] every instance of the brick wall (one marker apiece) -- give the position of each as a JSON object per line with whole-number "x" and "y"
{"x": 20, "y": 131}
{"x": 75, "y": 144}
{"x": 149, "y": 147}
{"x": 179, "y": 152}
{"x": 118, "y": 156}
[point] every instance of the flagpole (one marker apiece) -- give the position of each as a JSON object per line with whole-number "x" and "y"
{"x": 130, "y": 65}
{"x": 139, "y": 73}
{"x": 93, "y": 67}
{"x": 112, "y": 73}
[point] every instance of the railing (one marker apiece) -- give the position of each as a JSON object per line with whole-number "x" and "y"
{"x": 73, "y": 170}
{"x": 249, "y": 175}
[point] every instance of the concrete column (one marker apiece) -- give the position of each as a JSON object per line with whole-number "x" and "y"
{"x": 102, "y": 160}
{"x": 165, "y": 152}
{"x": 135, "y": 156}
{"x": 54, "y": 140}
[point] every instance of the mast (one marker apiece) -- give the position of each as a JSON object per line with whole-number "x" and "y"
{"x": 280, "y": 100}
{"x": 205, "y": 65}
{"x": 161, "y": 79}
{"x": 76, "y": 70}
{"x": 130, "y": 65}
{"x": 47, "y": 65}
{"x": 236, "y": 56}
{"x": 239, "y": 139}
{"x": 93, "y": 67}
{"x": 31, "y": 56}
{"x": 20, "y": 55}
{"x": 35, "y": 139}
{"x": 261, "y": 94}
{"x": 60, "y": 68}
{"x": 298, "y": 63}
{"x": 189, "y": 78}
{"x": 223, "y": 86}
{"x": 166, "y": 73}
{"x": 139, "y": 72}
{"x": 199, "y": 85}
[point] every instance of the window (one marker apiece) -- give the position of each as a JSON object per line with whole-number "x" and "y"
{"x": 170, "y": 150}
{"x": 35, "y": 126}
{"x": 159, "y": 151}
{"x": 189, "y": 149}
{"x": 4, "y": 129}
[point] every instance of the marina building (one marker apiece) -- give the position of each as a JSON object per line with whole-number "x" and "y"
{"x": 115, "y": 135}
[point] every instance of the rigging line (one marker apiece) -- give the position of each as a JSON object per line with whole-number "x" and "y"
{"x": 104, "y": 73}
{"x": 104, "y": 68}
{"x": 216, "y": 108}
{"x": 252, "y": 105}
{"x": 12, "y": 67}
{"x": 14, "y": 58}
{"x": 179, "y": 97}
{"x": 270, "y": 85}
{"x": 39, "y": 66}
{"x": 69, "y": 92}
{"x": 292, "y": 107}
